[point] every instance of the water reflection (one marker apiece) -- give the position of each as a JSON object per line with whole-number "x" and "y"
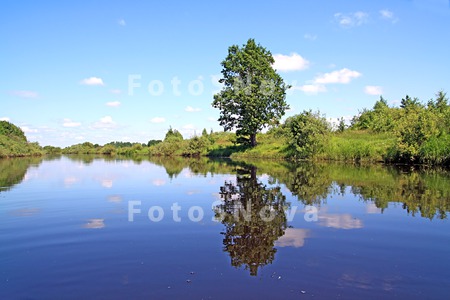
{"x": 13, "y": 170}
{"x": 95, "y": 224}
{"x": 339, "y": 221}
{"x": 254, "y": 218}
{"x": 293, "y": 237}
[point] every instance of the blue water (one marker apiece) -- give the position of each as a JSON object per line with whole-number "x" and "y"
{"x": 65, "y": 233}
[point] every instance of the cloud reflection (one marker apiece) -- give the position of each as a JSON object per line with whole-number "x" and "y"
{"x": 159, "y": 182}
{"x": 293, "y": 237}
{"x": 95, "y": 224}
{"x": 340, "y": 221}
{"x": 107, "y": 183}
{"x": 115, "y": 198}
{"x": 25, "y": 212}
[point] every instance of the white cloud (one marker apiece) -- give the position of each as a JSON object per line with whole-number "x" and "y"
{"x": 121, "y": 22}
{"x": 311, "y": 37}
{"x": 4, "y": 119}
{"x": 311, "y": 89}
{"x": 25, "y": 94}
{"x": 192, "y": 109}
{"x": 292, "y": 62}
{"x": 211, "y": 119}
{"x": 70, "y": 123}
{"x": 92, "y": 81}
{"x": 105, "y": 122}
{"x": 27, "y": 129}
{"x": 334, "y": 121}
{"x": 388, "y": 15}
{"x": 350, "y": 20}
{"x": 373, "y": 90}
{"x": 113, "y": 103}
{"x": 158, "y": 120}
{"x": 116, "y": 91}
{"x": 341, "y": 76}
{"x": 188, "y": 130}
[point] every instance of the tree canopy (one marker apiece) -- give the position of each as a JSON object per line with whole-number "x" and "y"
{"x": 253, "y": 95}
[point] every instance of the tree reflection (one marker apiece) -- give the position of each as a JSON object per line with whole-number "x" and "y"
{"x": 254, "y": 218}
{"x": 13, "y": 170}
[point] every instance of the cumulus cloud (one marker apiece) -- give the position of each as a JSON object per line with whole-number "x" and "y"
{"x": 113, "y": 103}
{"x": 70, "y": 123}
{"x": 4, "y": 119}
{"x": 115, "y": 91}
{"x": 27, "y": 129}
{"x": 351, "y": 20}
{"x": 121, "y": 22}
{"x": 192, "y": 109}
{"x": 158, "y": 120}
{"x": 340, "y": 76}
{"x": 388, "y": 15}
{"x": 92, "y": 81}
{"x": 373, "y": 90}
{"x": 292, "y": 62}
{"x": 311, "y": 89}
{"x": 311, "y": 37}
{"x": 25, "y": 94}
{"x": 105, "y": 122}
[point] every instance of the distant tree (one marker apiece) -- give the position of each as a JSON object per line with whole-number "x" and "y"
{"x": 204, "y": 132}
{"x": 410, "y": 103}
{"x": 153, "y": 142}
{"x": 173, "y": 134}
{"x": 341, "y": 125}
{"x": 254, "y": 94}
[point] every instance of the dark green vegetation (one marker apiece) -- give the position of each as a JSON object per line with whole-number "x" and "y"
{"x": 253, "y": 95}
{"x": 13, "y": 142}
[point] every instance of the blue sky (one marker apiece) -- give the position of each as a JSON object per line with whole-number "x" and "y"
{"x": 66, "y": 66}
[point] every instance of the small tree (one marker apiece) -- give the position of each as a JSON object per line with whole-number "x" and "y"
{"x": 253, "y": 95}
{"x": 308, "y": 133}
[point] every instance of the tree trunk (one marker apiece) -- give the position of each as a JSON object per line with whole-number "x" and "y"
{"x": 253, "y": 139}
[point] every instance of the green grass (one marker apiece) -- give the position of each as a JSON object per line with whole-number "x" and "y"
{"x": 353, "y": 145}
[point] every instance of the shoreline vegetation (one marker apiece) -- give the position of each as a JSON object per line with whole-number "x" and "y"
{"x": 413, "y": 133}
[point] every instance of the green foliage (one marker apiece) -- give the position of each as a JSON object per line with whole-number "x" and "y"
{"x": 52, "y": 150}
{"x": 253, "y": 95}
{"x": 12, "y": 131}
{"x": 13, "y": 142}
{"x": 308, "y": 134}
{"x": 173, "y": 135}
{"x": 153, "y": 142}
{"x": 357, "y": 145}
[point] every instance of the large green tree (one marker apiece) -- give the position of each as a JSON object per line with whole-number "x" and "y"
{"x": 253, "y": 95}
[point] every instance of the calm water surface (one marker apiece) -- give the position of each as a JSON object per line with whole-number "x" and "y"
{"x": 259, "y": 230}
